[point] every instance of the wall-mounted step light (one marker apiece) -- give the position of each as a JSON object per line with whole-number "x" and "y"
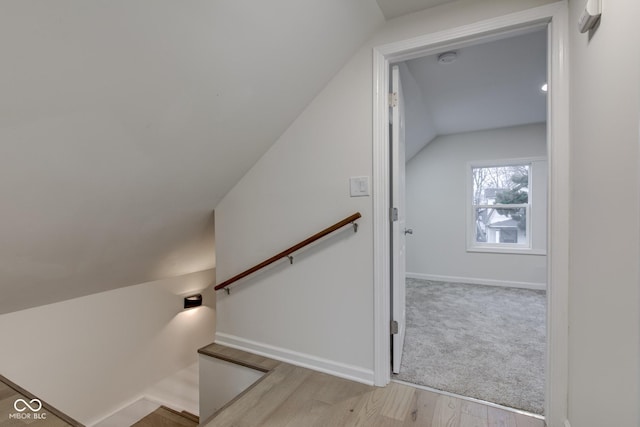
{"x": 193, "y": 301}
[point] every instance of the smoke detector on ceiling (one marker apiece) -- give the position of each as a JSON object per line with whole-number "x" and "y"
{"x": 447, "y": 57}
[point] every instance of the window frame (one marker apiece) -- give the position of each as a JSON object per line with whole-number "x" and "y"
{"x": 505, "y": 248}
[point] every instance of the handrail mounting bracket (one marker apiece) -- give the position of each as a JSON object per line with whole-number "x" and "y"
{"x": 288, "y": 252}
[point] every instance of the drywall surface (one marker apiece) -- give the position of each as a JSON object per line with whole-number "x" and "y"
{"x": 419, "y": 127}
{"x": 124, "y": 123}
{"x": 436, "y": 185}
{"x": 130, "y": 415}
{"x": 604, "y": 321}
{"x": 221, "y": 382}
{"x": 93, "y": 355}
{"x": 320, "y": 309}
{"x": 179, "y": 391}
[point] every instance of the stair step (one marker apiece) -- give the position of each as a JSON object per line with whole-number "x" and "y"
{"x": 239, "y": 357}
{"x": 167, "y": 417}
{"x": 191, "y": 416}
{"x": 10, "y": 392}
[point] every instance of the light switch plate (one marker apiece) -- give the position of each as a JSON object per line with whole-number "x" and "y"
{"x": 359, "y": 186}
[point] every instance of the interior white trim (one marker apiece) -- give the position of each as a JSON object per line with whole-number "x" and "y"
{"x": 505, "y": 162}
{"x": 479, "y": 281}
{"x": 506, "y": 250}
{"x": 133, "y": 411}
{"x": 381, "y": 225}
{"x": 163, "y": 402}
{"x": 304, "y": 360}
{"x": 97, "y": 421}
{"x": 557, "y": 372}
{"x": 554, "y": 17}
{"x": 502, "y": 248}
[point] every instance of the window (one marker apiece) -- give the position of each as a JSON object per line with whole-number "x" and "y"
{"x": 500, "y": 207}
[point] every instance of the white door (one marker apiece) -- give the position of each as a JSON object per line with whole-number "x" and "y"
{"x": 398, "y": 211}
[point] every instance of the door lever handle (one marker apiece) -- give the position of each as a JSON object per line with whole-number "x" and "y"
{"x": 408, "y": 231}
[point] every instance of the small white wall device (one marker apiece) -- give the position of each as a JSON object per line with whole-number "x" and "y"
{"x": 590, "y": 15}
{"x": 359, "y": 186}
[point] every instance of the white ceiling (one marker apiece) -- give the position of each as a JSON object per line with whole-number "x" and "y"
{"x": 123, "y": 124}
{"x": 394, "y": 8}
{"x": 490, "y": 85}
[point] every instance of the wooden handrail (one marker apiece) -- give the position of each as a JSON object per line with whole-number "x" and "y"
{"x": 289, "y": 251}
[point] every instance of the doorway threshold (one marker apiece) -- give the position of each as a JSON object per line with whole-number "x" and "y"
{"x": 471, "y": 399}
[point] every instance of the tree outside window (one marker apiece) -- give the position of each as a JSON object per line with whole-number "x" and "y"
{"x": 501, "y": 204}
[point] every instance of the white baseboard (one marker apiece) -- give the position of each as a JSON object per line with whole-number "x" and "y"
{"x": 131, "y": 411}
{"x": 478, "y": 281}
{"x": 171, "y": 405}
{"x": 342, "y": 370}
{"x": 178, "y": 391}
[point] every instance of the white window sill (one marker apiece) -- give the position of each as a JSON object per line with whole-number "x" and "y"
{"x": 506, "y": 250}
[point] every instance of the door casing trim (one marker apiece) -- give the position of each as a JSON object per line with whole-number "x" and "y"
{"x": 555, "y": 18}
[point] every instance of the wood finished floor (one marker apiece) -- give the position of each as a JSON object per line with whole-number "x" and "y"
{"x": 165, "y": 417}
{"x": 8, "y": 396}
{"x": 293, "y": 396}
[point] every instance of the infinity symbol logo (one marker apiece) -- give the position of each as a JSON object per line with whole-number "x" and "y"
{"x": 25, "y": 405}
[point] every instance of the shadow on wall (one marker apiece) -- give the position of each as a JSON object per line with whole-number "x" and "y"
{"x": 90, "y": 356}
{"x": 337, "y": 237}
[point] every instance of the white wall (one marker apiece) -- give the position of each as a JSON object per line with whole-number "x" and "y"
{"x": 179, "y": 391}
{"x": 604, "y": 321}
{"x": 322, "y": 306}
{"x": 436, "y": 188}
{"x": 124, "y": 123}
{"x": 90, "y": 356}
{"x": 419, "y": 127}
{"x": 220, "y": 382}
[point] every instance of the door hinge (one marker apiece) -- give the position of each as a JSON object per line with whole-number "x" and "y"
{"x": 393, "y": 99}
{"x": 394, "y": 327}
{"x": 394, "y": 214}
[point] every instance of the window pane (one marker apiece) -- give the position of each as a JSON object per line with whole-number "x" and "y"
{"x": 509, "y": 235}
{"x": 505, "y": 225}
{"x": 501, "y": 184}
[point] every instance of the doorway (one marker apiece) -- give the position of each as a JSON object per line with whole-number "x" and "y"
{"x": 553, "y": 19}
{"x": 474, "y": 128}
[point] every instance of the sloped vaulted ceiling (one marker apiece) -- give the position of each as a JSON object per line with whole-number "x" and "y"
{"x": 394, "y": 8}
{"x": 123, "y": 123}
